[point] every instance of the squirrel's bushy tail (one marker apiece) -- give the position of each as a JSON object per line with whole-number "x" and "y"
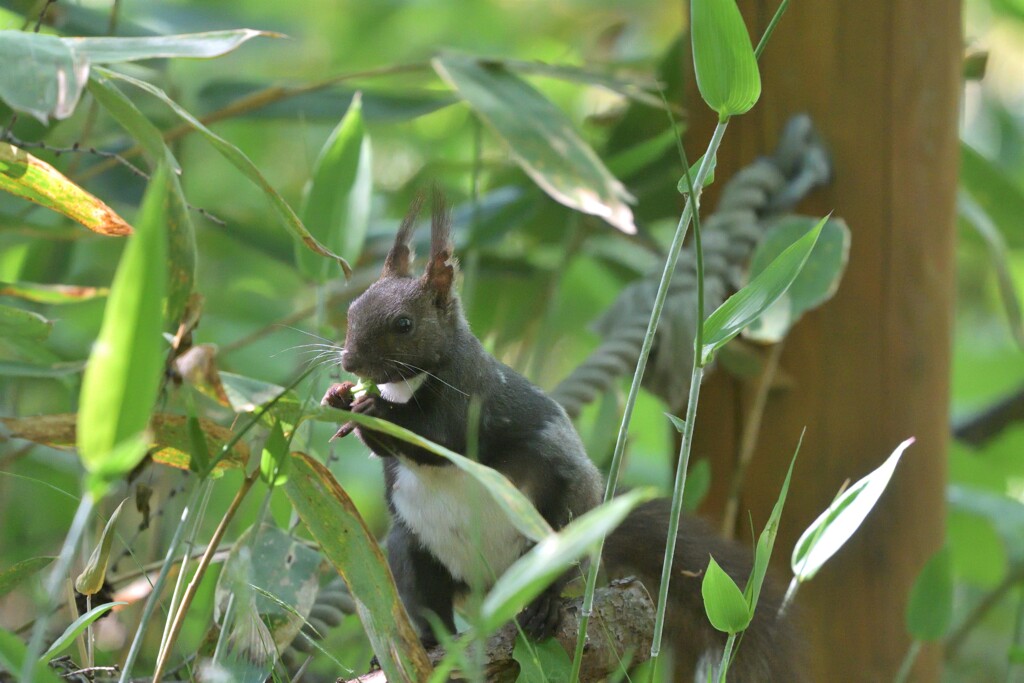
{"x": 768, "y": 651}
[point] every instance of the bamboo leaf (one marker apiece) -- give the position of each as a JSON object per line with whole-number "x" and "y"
{"x": 13, "y": 368}
{"x": 744, "y": 307}
{"x": 104, "y": 50}
{"x": 18, "y": 572}
{"x": 724, "y": 603}
{"x": 123, "y": 376}
{"x": 41, "y": 75}
{"x": 930, "y": 607}
{"x": 169, "y": 444}
{"x": 539, "y": 137}
{"x": 518, "y": 507}
{"x": 766, "y": 541}
{"x": 240, "y": 161}
{"x": 51, "y": 294}
{"x": 817, "y": 282}
{"x": 25, "y": 176}
{"x": 723, "y": 57}
{"x": 551, "y": 557}
{"x": 274, "y": 461}
{"x": 181, "y": 239}
{"x": 76, "y": 628}
{"x": 336, "y": 201}
{"x": 332, "y": 519}
{"x": 90, "y": 581}
{"x": 21, "y": 324}
{"x": 840, "y": 521}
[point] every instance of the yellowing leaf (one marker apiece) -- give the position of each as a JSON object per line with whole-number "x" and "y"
{"x": 169, "y": 444}
{"x": 33, "y": 179}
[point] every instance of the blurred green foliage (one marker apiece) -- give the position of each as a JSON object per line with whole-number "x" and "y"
{"x": 535, "y": 273}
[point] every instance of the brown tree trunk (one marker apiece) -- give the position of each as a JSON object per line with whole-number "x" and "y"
{"x": 881, "y": 80}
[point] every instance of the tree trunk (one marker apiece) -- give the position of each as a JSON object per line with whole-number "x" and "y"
{"x": 881, "y": 80}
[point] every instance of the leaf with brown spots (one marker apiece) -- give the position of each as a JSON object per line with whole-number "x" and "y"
{"x": 33, "y": 179}
{"x": 169, "y": 440}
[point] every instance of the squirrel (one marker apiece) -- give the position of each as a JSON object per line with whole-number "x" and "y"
{"x": 410, "y": 337}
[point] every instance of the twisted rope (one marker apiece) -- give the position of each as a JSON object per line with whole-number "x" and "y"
{"x": 755, "y": 196}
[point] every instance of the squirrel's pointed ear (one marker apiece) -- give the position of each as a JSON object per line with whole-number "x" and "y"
{"x": 398, "y": 259}
{"x": 440, "y": 275}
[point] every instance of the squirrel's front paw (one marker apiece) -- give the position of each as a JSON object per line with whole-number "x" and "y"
{"x": 339, "y": 396}
{"x": 540, "y": 619}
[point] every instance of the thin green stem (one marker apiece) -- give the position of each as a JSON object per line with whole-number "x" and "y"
{"x": 908, "y": 662}
{"x": 158, "y": 585}
{"x": 677, "y": 504}
{"x": 178, "y": 617}
{"x": 634, "y": 389}
{"x": 723, "y": 667}
{"x": 771, "y": 29}
{"x": 53, "y": 581}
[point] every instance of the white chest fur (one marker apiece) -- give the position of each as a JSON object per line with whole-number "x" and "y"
{"x": 457, "y": 520}
{"x": 402, "y": 390}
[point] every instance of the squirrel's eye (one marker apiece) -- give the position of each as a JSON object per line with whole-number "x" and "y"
{"x": 402, "y": 324}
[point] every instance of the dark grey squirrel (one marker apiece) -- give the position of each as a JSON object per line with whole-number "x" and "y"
{"x": 410, "y": 337}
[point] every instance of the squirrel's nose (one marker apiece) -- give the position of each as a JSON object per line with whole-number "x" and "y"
{"x": 349, "y": 361}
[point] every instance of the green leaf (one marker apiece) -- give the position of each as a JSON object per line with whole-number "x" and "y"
{"x": 104, "y": 50}
{"x": 677, "y": 422}
{"x": 517, "y": 506}
{"x": 1000, "y": 254}
{"x": 996, "y": 190}
{"x": 636, "y": 87}
{"x": 544, "y": 662}
{"x": 25, "y": 176}
{"x": 744, "y": 307}
{"x": 12, "y": 658}
{"x": 344, "y": 539}
{"x": 274, "y": 460}
{"x": 724, "y": 603}
{"x": 121, "y": 381}
{"x": 540, "y": 138}
{"x": 766, "y": 541}
{"x": 930, "y": 607}
{"x": 336, "y": 201}
{"x": 13, "y": 368}
{"x": 830, "y": 531}
{"x": 41, "y": 75}
{"x": 17, "y": 322}
{"x": 76, "y": 628}
{"x": 51, "y": 294}
{"x": 128, "y": 116}
{"x": 240, "y": 161}
{"x": 90, "y": 581}
{"x": 533, "y": 572}
{"x": 818, "y": 279}
{"x": 684, "y": 188}
{"x": 181, "y": 239}
{"x": 723, "y": 57}
{"x": 18, "y": 572}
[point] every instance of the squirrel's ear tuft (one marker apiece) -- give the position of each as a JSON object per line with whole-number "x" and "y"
{"x": 440, "y": 275}
{"x": 397, "y": 262}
